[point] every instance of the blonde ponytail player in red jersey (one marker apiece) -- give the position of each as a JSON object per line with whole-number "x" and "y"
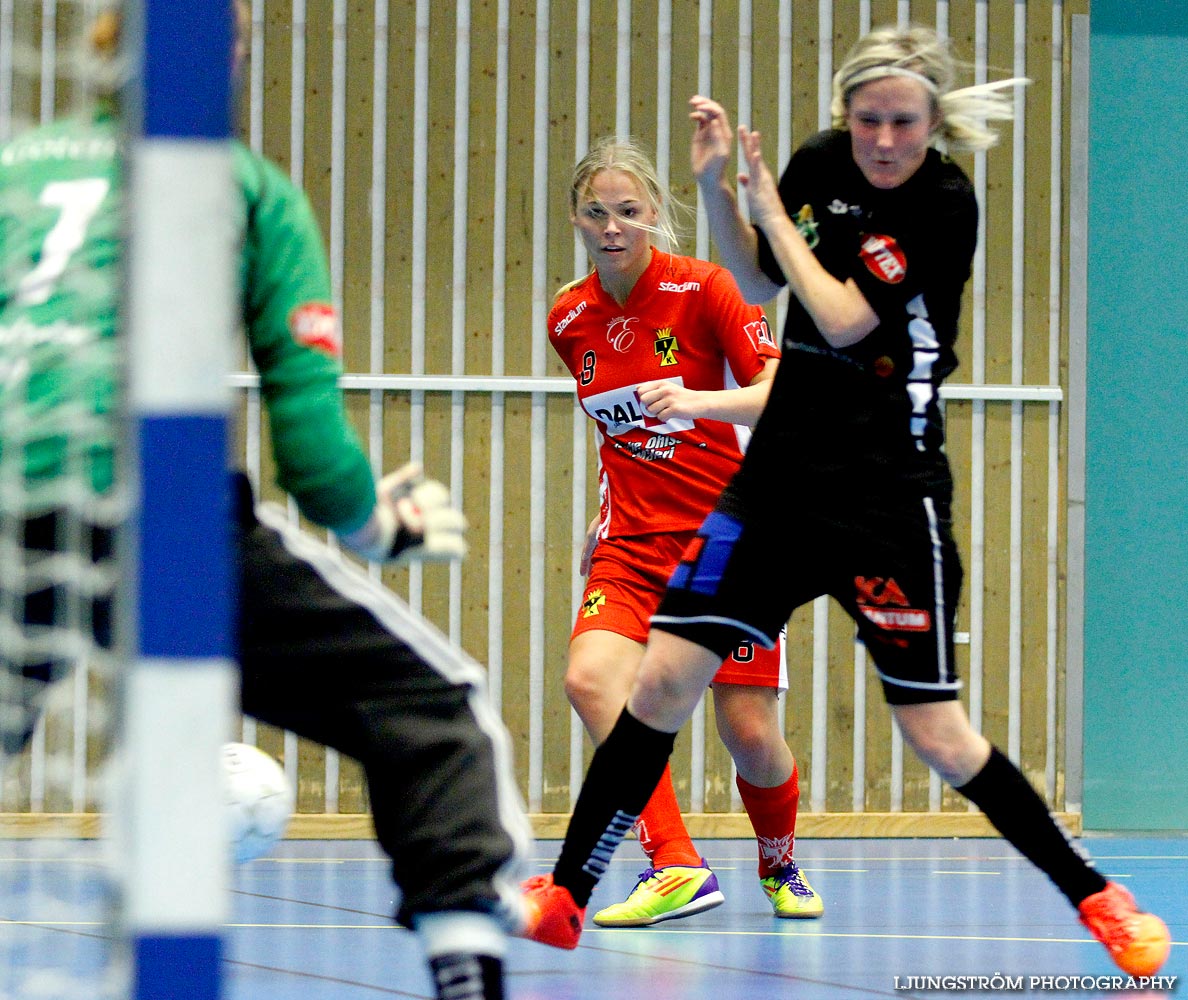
{"x": 673, "y": 367}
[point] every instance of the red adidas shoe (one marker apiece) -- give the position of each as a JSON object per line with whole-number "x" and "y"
{"x": 550, "y": 914}
{"x": 1138, "y": 942}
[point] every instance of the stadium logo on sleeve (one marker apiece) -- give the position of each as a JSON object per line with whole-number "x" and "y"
{"x": 316, "y": 325}
{"x": 570, "y": 316}
{"x": 884, "y": 258}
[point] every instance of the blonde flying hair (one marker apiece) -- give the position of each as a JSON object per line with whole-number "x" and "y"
{"x": 920, "y": 54}
{"x": 626, "y": 156}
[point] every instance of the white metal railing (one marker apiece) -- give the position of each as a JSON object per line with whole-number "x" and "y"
{"x": 564, "y": 385}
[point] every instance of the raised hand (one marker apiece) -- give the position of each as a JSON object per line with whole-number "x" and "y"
{"x": 713, "y": 140}
{"x": 763, "y": 197}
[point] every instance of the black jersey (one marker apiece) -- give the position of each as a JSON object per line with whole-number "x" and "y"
{"x": 909, "y": 250}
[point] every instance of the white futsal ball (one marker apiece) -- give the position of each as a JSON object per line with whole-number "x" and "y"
{"x": 260, "y": 800}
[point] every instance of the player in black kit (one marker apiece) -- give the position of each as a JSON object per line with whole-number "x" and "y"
{"x": 873, "y": 229}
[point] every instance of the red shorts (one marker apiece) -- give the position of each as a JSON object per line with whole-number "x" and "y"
{"x": 628, "y": 577}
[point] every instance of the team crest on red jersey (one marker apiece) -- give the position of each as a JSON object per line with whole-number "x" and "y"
{"x": 884, "y": 258}
{"x": 666, "y": 347}
{"x": 316, "y": 325}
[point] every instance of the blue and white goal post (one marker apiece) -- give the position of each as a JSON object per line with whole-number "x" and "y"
{"x": 181, "y": 308}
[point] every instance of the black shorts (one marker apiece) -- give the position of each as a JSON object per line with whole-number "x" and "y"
{"x": 893, "y": 566}
{"x": 334, "y": 656}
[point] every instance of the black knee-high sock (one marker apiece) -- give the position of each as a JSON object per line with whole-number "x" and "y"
{"x": 622, "y": 776}
{"x": 1022, "y": 817}
{"x": 462, "y": 976}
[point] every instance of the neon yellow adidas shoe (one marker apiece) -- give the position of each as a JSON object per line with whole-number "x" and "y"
{"x": 664, "y": 894}
{"x": 791, "y": 895}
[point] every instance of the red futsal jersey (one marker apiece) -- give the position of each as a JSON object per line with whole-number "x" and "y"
{"x": 685, "y": 321}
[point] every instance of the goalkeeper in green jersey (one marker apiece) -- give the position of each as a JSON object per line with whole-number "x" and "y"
{"x": 324, "y": 651}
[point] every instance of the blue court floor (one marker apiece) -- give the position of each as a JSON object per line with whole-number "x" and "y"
{"x": 311, "y": 921}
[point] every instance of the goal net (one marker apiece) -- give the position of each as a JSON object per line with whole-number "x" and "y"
{"x": 60, "y": 515}
{"x": 113, "y": 852}
{"x": 57, "y": 579}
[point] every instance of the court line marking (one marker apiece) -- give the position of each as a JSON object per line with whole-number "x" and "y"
{"x": 728, "y": 864}
{"x": 733, "y": 868}
{"x": 317, "y": 904}
{"x": 848, "y": 989}
{"x": 62, "y": 924}
{"x": 939, "y": 871}
{"x": 1098, "y": 858}
{"x": 338, "y": 980}
{"x": 653, "y": 931}
{"x": 634, "y": 932}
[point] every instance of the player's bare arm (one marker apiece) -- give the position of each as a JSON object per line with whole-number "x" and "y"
{"x": 710, "y": 150}
{"x": 668, "y": 400}
{"x": 839, "y": 309}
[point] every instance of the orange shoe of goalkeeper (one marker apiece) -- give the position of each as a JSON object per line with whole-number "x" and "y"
{"x": 1138, "y": 942}
{"x": 550, "y": 914}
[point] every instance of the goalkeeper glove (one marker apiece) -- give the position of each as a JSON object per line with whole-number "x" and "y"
{"x": 412, "y": 521}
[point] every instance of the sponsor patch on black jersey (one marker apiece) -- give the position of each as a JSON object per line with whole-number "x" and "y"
{"x": 884, "y": 258}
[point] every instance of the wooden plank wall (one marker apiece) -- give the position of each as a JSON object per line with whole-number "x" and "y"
{"x": 446, "y": 279}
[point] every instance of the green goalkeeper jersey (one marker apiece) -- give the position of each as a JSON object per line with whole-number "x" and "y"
{"x": 60, "y": 292}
